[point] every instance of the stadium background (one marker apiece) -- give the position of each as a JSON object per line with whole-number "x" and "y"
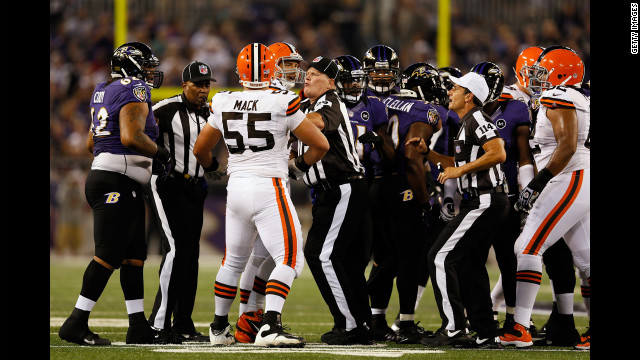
{"x": 82, "y": 35}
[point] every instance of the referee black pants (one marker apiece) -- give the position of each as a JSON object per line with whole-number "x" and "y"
{"x": 179, "y": 205}
{"x": 457, "y": 264}
{"x": 337, "y": 251}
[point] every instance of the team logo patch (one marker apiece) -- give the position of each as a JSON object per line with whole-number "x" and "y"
{"x": 140, "y": 93}
{"x": 203, "y": 69}
{"x": 112, "y": 197}
{"x": 433, "y": 117}
{"x": 501, "y": 123}
{"x": 364, "y": 115}
{"x": 535, "y": 103}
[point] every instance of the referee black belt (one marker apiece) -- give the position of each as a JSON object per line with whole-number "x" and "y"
{"x": 473, "y": 192}
{"x": 186, "y": 177}
{"x": 324, "y": 184}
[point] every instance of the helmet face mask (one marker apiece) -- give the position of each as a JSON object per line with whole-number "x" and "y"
{"x": 136, "y": 59}
{"x": 351, "y": 81}
{"x": 524, "y": 70}
{"x": 287, "y": 66}
{"x": 382, "y": 68}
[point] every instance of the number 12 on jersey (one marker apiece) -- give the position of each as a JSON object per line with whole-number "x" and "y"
{"x": 249, "y": 120}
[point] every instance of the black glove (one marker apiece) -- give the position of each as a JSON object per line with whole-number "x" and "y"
{"x": 297, "y": 167}
{"x": 447, "y": 211}
{"x": 426, "y": 217}
{"x": 530, "y": 193}
{"x": 370, "y": 137}
{"x": 162, "y": 163}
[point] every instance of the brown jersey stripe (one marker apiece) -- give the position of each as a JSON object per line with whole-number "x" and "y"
{"x": 533, "y": 247}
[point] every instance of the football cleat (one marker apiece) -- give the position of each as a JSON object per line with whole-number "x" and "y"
{"x": 273, "y": 335}
{"x": 221, "y": 336}
{"x": 411, "y": 334}
{"x": 196, "y": 336}
{"x": 585, "y": 344}
{"x": 516, "y": 335}
{"x": 444, "y": 337}
{"x": 360, "y": 335}
{"x": 248, "y": 326}
{"x": 74, "y": 331}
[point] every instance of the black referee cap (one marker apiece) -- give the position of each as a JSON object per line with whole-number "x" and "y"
{"x": 197, "y": 71}
{"x": 324, "y": 65}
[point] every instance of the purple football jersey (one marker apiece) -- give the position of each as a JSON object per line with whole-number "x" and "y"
{"x": 366, "y": 115}
{"x": 403, "y": 113}
{"x": 507, "y": 117}
{"x": 106, "y": 103}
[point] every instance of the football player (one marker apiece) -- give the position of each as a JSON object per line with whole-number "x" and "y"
{"x": 558, "y": 197}
{"x": 401, "y": 211}
{"x": 258, "y": 203}
{"x": 122, "y": 140}
{"x": 260, "y": 265}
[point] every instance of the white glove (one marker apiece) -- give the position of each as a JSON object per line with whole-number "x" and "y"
{"x": 294, "y": 172}
{"x": 447, "y": 211}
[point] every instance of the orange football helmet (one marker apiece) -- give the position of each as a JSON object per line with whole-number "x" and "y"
{"x": 287, "y": 52}
{"x": 526, "y": 58}
{"x": 557, "y": 65}
{"x": 255, "y": 66}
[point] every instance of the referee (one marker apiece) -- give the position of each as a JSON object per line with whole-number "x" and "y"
{"x": 178, "y": 201}
{"x": 457, "y": 259}
{"x": 338, "y": 243}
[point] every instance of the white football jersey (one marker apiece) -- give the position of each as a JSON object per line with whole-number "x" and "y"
{"x": 255, "y": 125}
{"x": 543, "y": 143}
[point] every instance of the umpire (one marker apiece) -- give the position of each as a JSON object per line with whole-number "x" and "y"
{"x": 178, "y": 201}
{"x": 457, "y": 259}
{"x": 339, "y": 240}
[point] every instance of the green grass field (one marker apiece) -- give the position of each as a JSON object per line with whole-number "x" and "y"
{"x": 305, "y": 313}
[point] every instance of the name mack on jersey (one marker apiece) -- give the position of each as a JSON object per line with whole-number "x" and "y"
{"x": 248, "y": 105}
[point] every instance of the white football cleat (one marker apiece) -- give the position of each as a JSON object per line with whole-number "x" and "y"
{"x": 221, "y": 337}
{"x": 273, "y": 335}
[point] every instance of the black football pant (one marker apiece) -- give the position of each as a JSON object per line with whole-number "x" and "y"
{"x": 117, "y": 202}
{"x": 179, "y": 205}
{"x": 457, "y": 264}
{"x": 338, "y": 248}
{"x": 399, "y": 238}
{"x": 505, "y": 256}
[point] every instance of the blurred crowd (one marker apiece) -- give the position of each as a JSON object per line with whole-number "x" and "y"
{"x": 82, "y": 33}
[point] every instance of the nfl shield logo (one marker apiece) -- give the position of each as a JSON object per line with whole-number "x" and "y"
{"x": 457, "y": 149}
{"x": 203, "y": 69}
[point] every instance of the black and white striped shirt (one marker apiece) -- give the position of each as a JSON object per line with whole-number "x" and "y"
{"x": 476, "y": 129}
{"x": 341, "y": 161}
{"x": 180, "y": 125}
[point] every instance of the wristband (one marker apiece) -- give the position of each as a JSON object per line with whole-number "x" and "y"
{"x": 212, "y": 167}
{"x": 300, "y": 164}
{"x": 540, "y": 180}
{"x": 525, "y": 174}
